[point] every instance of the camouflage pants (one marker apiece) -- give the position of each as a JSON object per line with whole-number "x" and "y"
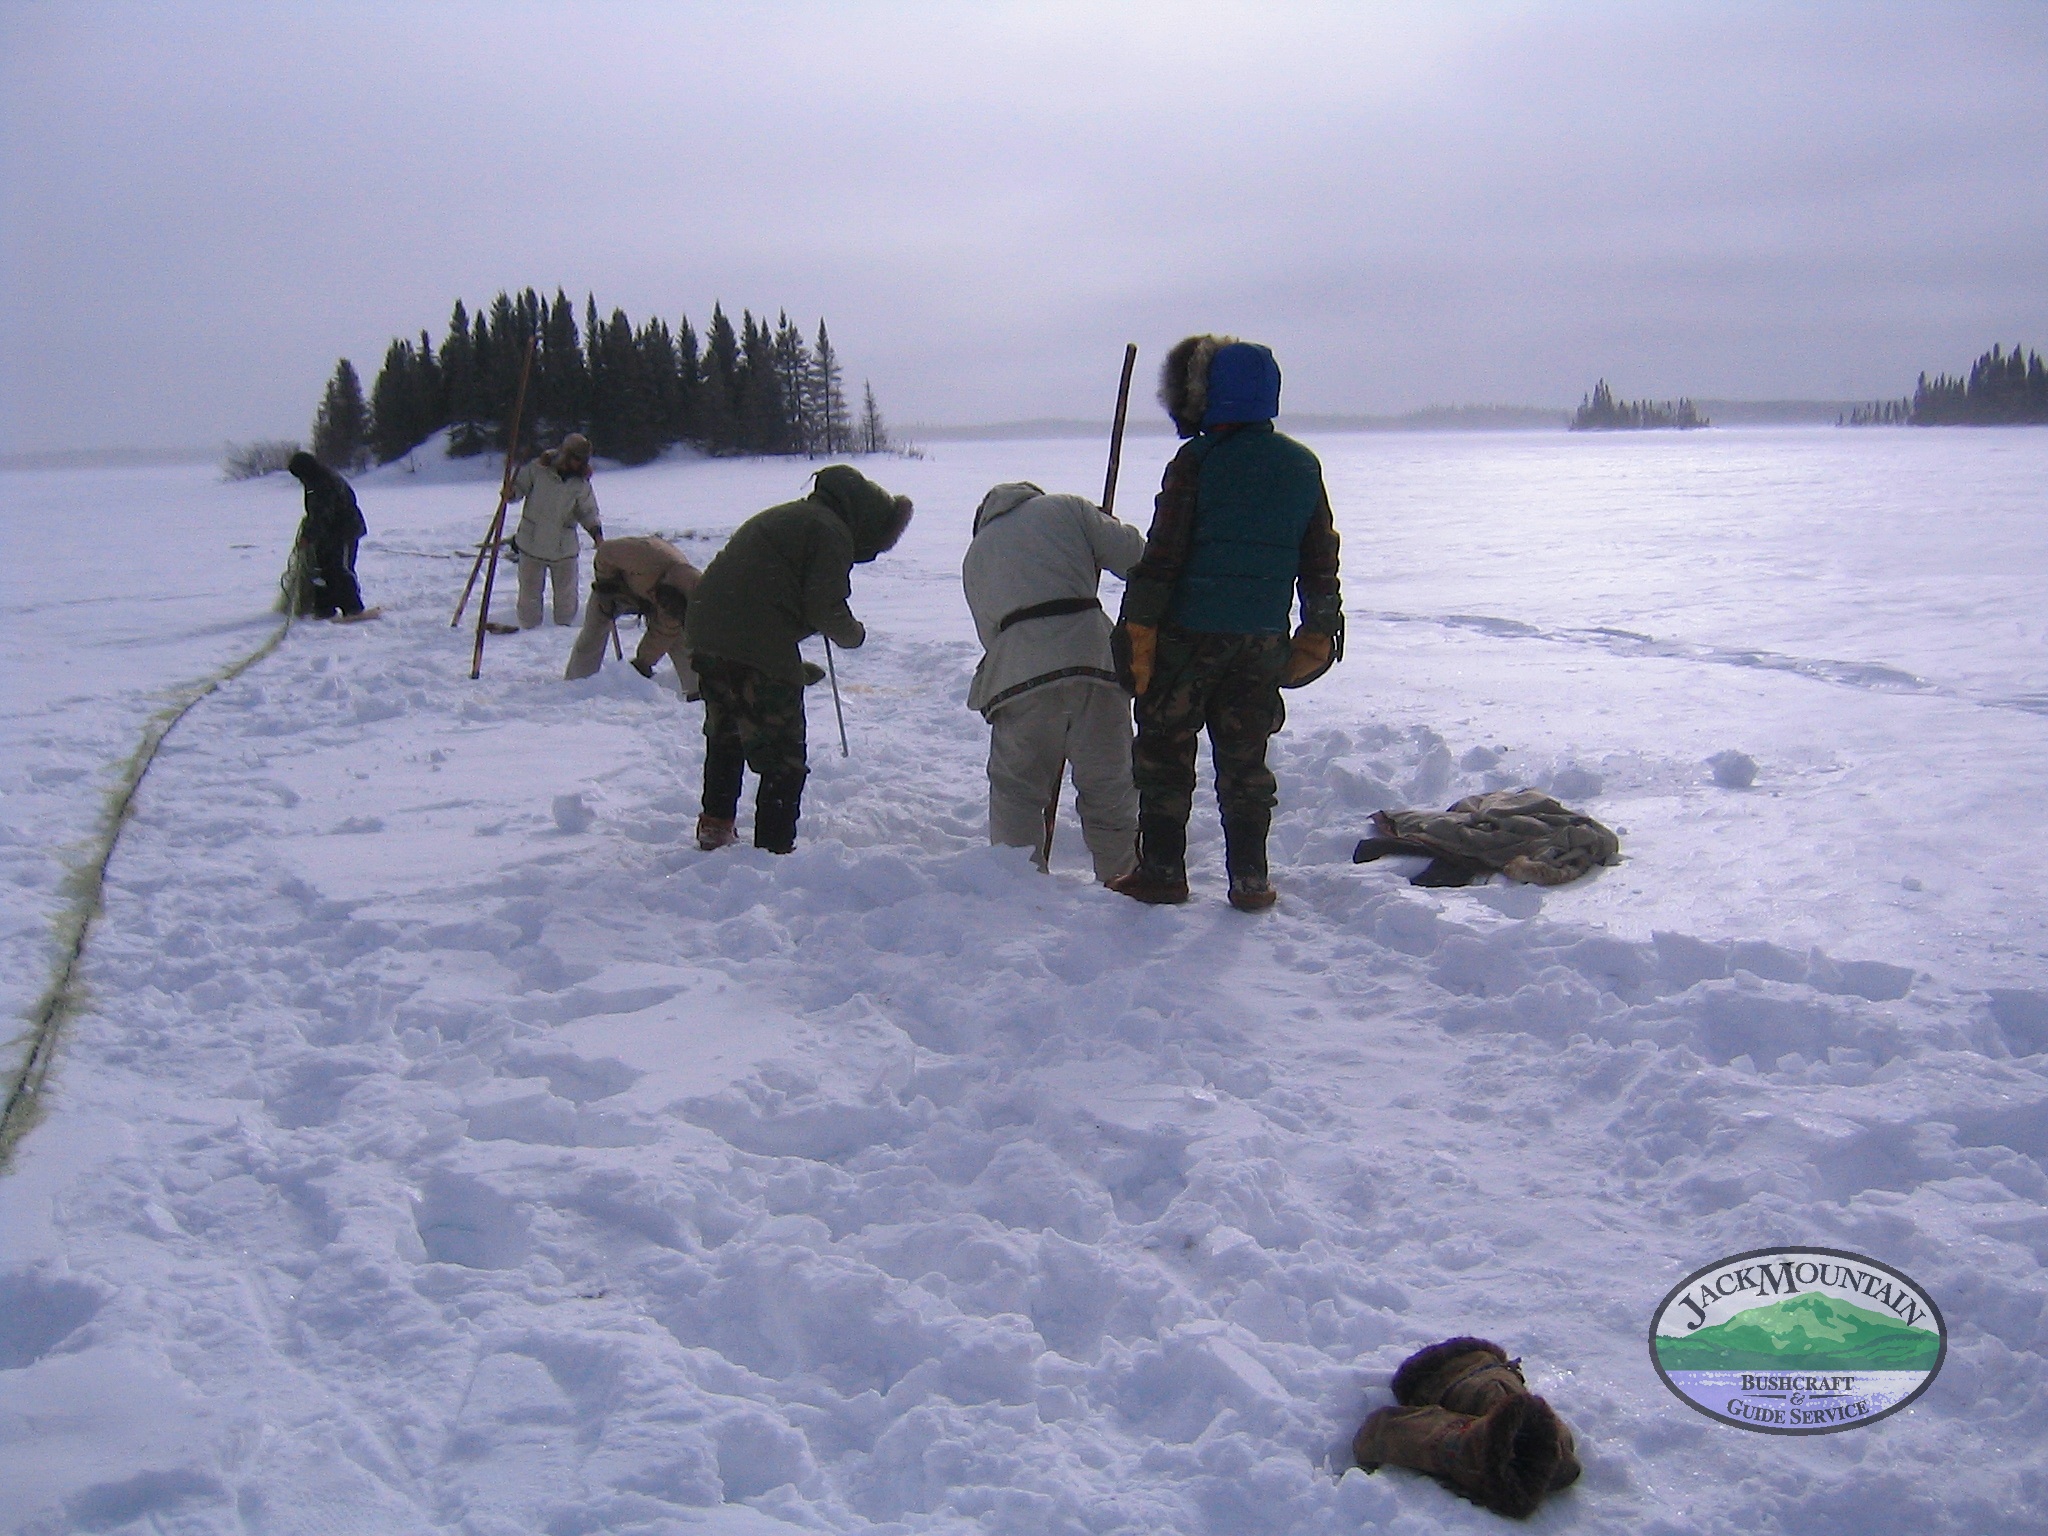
{"x": 751, "y": 720}
{"x": 1230, "y": 685}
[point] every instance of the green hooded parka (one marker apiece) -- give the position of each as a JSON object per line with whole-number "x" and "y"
{"x": 786, "y": 574}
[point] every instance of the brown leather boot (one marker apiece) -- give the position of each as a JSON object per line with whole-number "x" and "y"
{"x": 1502, "y": 1461}
{"x": 715, "y": 832}
{"x": 1474, "y": 1376}
{"x": 1154, "y": 887}
{"x": 1252, "y": 893}
{"x": 1161, "y": 878}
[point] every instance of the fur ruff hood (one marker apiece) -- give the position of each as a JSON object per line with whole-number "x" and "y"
{"x": 1184, "y": 380}
{"x": 874, "y": 517}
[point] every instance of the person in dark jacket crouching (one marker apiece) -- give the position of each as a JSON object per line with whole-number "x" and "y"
{"x": 1241, "y": 522}
{"x": 328, "y": 535}
{"x": 783, "y": 576}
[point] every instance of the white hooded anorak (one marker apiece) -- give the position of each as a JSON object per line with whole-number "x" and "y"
{"x": 1030, "y": 548}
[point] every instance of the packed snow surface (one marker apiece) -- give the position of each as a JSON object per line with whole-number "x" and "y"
{"x": 448, "y": 1145}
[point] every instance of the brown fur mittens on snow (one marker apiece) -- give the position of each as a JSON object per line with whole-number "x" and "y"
{"x": 1468, "y": 1419}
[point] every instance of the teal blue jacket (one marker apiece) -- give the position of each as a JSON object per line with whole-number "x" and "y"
{"x": 1241, "y": 522}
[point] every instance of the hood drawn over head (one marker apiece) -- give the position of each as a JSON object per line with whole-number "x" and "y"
{"x": 874, "y": 517}
{"x": 1184, "y": 380}
{"x": 1244, "y": 385}
{"x": 1007, "y": 497}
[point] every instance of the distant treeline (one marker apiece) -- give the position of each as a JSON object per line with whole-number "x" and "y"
{"x": 2003, "y": 389}
{"x": 1601, "y": 412}
{"x": 632, "y": 390}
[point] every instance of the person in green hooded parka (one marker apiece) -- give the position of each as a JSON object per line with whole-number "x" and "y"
{"x": 783, "y": 576}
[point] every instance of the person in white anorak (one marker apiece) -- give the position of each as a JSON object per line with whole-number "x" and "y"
{"x": 1047, "y": 684}
{"x": 556, "y": 490}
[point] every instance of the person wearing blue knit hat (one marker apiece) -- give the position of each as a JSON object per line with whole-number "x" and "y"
{"x": 1241, "y": 524}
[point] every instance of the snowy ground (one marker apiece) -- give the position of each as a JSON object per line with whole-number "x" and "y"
{"x": 431, "y": 1160}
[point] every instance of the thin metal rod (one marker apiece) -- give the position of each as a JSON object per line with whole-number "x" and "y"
{"x": 1116, "y": 432}
{"x": 832, "y": 671}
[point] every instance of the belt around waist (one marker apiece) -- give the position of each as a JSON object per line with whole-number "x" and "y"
{"x": 1051, "y": 610}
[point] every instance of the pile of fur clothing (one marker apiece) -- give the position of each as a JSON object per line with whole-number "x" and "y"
{"x": 1521, "y": 833}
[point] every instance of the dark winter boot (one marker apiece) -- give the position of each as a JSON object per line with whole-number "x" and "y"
{"x": 1244, "y": 856}
{"x": 1503, "y": 1461}
{"x": 725, "y": 767}
{"x": 1161, "y": 878}
{"x": 776, "y": 808}
{"x": 1475, "y": 1376}
{"x": 715, "y": 832}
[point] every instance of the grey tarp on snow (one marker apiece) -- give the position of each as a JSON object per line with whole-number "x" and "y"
{"x": 1521, "y": 833}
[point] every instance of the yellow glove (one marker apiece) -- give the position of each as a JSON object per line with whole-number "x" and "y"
{"x": 1143, "y": 643}
{"x": 1309, "y": 657}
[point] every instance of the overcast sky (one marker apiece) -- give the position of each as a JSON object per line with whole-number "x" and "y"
{"x": 206, "y": 205}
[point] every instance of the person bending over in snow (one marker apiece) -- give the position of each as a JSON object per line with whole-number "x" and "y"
{"x": 642, "y": 575}
{"x": 557, "y": 493}
{"x": 325, "y": 555}
{"x": 1045, "y": 683}
{"x": 783, "y": 576}
{"x": 1241, "y": 521}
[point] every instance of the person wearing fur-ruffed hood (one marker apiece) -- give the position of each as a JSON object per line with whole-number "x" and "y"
{"x": 1241, "y": 524}
{"x": 786, "y": 574}
{"x": 556, "y": 490}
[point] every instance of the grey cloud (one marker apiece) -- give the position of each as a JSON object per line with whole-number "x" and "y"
{"x": 208, "y": 204}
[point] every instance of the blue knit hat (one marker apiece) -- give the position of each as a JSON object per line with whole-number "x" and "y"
{"x": 1244, "y": 385}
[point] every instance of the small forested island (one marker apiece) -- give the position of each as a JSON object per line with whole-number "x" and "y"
{"x": 632, "y": 390}
{"x": 2003, "y": 389}
{"x": 1601, "y": 412}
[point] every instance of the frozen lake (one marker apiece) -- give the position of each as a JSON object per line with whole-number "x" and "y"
{"x": 420, "y": 1164}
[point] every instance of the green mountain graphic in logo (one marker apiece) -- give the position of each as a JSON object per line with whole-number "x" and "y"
{"x": 1812, "y": 1332}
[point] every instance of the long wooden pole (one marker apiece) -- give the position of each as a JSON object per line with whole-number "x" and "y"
{"x": 1116, "y": 431}
{"x": 483, "y": 606}
{"x": 497, "y": 527}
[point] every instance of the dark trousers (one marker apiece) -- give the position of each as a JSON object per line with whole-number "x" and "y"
{"x": 1228, "y": 685}
{"x": 752, "y": 720}
{"x": 331, "y": 580}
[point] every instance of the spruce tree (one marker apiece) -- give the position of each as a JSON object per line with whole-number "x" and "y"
{"x": 459, "y": 386}
{"x": 689, "y": 423}
{"x": 560, "y": 391}
{"x": 874, "y": 436}
{"x": 394, "y": 404}
{"x": 342, "y": 424}
{"x": 762, "y": 426}
{"x": 721, "y": 384}
{"x": 828, "y": 398}
{"x": 655, "y": 352}
{"x": 793, "y": 375}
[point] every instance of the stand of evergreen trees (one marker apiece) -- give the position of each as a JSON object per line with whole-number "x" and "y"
{"x": 632, "y": 390}
{"x": 1601, "y": 412}
{"x": 2003, "y": 389}
{"x": 1879, "y": 413}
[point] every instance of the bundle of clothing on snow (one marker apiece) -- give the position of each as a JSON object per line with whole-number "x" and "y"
{"x": 1521, "y": 833}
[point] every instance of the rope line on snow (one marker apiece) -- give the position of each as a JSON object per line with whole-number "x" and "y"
{"x": 87, "y": 888}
